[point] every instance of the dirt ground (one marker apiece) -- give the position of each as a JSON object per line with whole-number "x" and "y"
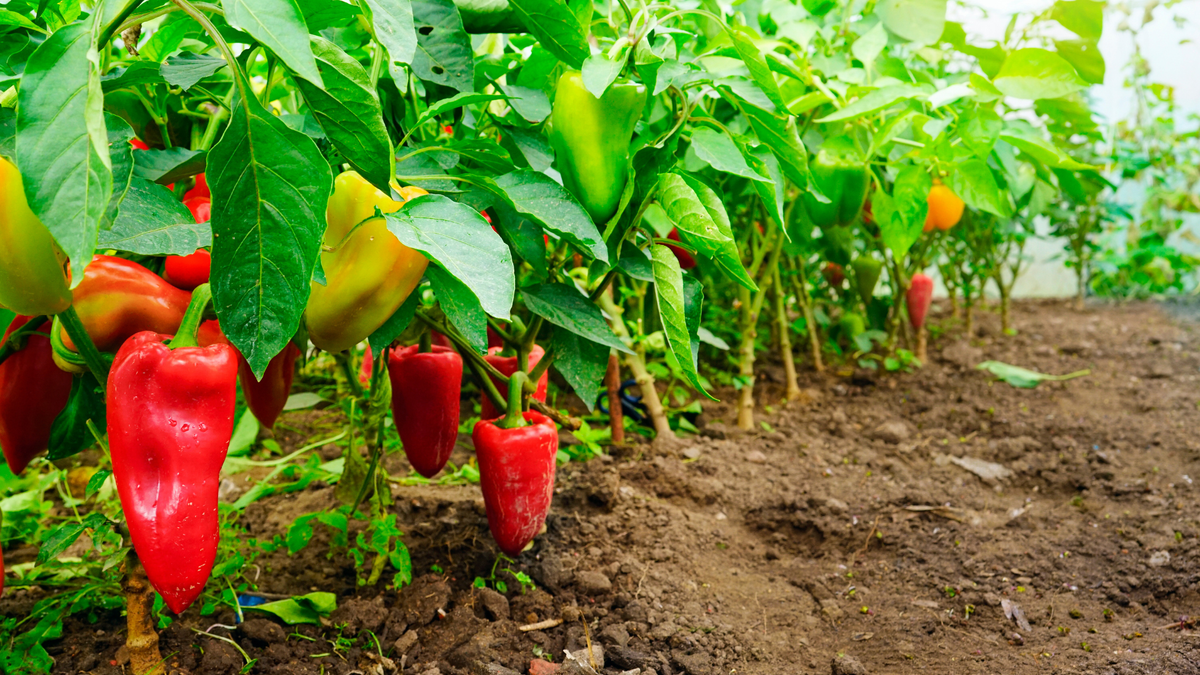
{"x": 851, "y": 534}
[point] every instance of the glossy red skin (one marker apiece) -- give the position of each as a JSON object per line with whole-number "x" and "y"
{"x": 118, "y": 298}
{"x": 33, "y": 391}
{"x": 200, "y": 190}
{"x": 266, "y": 397}
{"x": 368, "y": 364}
{"x": 919, "y": 297}
{"x": 516, "y": 473}
{"x": 494, "y": 339}
{"x": 170, "y": 418}
{"x": 443, "y": 341}
{"x": 425, "y": 400}
{"x": 188, "y": 271}
{"x": 201, "y": 208}
{"x": 686, "y": 260}
{"x": 507, "y": 365}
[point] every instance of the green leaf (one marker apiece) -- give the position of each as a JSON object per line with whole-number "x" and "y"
{"x": 773, "y": 190}
{"x": 668, "y": 294}
{"x": 394, "y": 326}
{"x": 461, "y": 306}
{"x": 1085, "y": 56}
{"x": 920, "y": 21}
{"x": 96, "y": 482}
{"x": 531, "y": 104}
{"x": 564, "y": 306}
{"x": 873, "y": 102}
{"x": 531, "y": 145}
{"x": 348, "y": 109}
{"x": 167, "y": 166}
{"x": 60, "y": 538}
{"x": 395, "y": 28}
{"x": 8, "y": 134}
{"x": 136, "y": 74}
{"x": 444, "y": 54}
{"x": 722, "y": 153}
{"x": 455, "y": 102}
{"x": 781, "y": 136}
{"x": 693, "y": 309}
{"x": 703, "y": 224}
{"x": 975, "y": 184}
{"x": 1026, "y": 139}
{"x": 11, "y": 18}
{"x": 901, "y": 216}
{"x": 152, "y": 222}
{"x": 980, "y": 131}
{"x": 186, "y": 69}
{"x": 1023, "y": 378}
{"x": 308, "y": 608}
{"x": 541, "y": 199}
{"x": 1034, "y": 73}
{"x": 869, "y": 45}
{"x": 270, "y": 185}
{"x": 599, "y": 72}
{"x": 244, "y": 434}
{"x": 120, "y": 154}
{"x": 557, "y": 29}
{"x": 1085, "y": 18}
{"x": 457, "y": 238}
{"x": 757, "y": 65}
{"x": 62, "y": 144}
{"x": 279, "y": 25}
{"x": 582, "y": 364}
{"x": 167, "y": 38}
{"x": 69, "y": 434}
{"x": 526, "y": 238}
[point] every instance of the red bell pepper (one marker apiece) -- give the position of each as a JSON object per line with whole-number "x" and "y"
{"x": 201, "y": 208}
{"x": 118, "y": 298}
{"x": 507, "y": 365}
{"x": 33, "y": 391}
{"x": 686, "y": 260}
{"x": 199, "y": 190}
{"x": 426, "y": 386}
{"x": 170, "y": 418}
{"x": 835, "y": 274}
{"x": 919, "y": 297}
{"x": 516, "y": 471}
{"x": 188, "y": 271}
{"x": 266, "y": 397}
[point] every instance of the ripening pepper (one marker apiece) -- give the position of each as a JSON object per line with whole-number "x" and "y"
{"x": 170, "y": 418}
{"x": 188, "y": 271}
{"x": 33, "y": 280}
{"x": 866, "y": 276}
{"x": 591, "y": 138}
{"x": 945, "y": 208}
{"x": 369, "y": 273}
{"x": 267, "y": 397}
{"x": 507, "y": 365}
{"x": 843, "y": 177}
{"x": 33, "y": 391}
{"x": 852, "y": 325}
{"x": 686, "y": 260}
{"x": 516, "y": 472}
{"x": 201, "y": 208}
{"x": 918, "y": 298}
{"x": 118, "y": 298}
{"x": 425, "y": 397}
{"x": 199, "y": 190}
{"x": 834, "y": 273}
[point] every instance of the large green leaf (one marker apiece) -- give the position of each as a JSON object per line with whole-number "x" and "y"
{"x": 782, "y": 137}
{"x": 455, "y": 237}
{"x": 444, "y": 54}
{"x": 1027, "y": 139}
{"x": 395, "y": 29}
{"x": 873, "y": 102}
{"x": 186, "y": 69}
{"x": 544, "y": 201}
{"x": 901, "y": 216}
{"x": 1085, "y": 56}
{"x": 1034, "y": 73}
{"x": 270, "y": 185}
{"x": 461, "y": 306}
{"x": 668, "y": 294}
{"x": 1085, "y": 18}
{"x": 167, "y": 166}
{"x": 920, "y": 21}
{"x": 564, "y": 306}
{"x": 152, "y": 222}
{"x": 556, "y": 27}
{"x": 975, "y": 184}
{"x": 62, "y": 143}
{"x": 278, "y": 24}
{"x": 757, "y": 65}
{"x": 726, "y": 257}
{"x": 722, "y": 154}
{"x": 69, "y": 434}
{"x": 582, "y": 364}
{"x": 347, "y": 108}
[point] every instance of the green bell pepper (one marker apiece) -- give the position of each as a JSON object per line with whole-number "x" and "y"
{"x": 843, "y": 177}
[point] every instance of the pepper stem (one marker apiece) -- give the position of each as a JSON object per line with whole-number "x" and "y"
{"x": 426, "y": 341}
{"x": 186, "y": 335}
{"x": 83, "y": 342}
{"x": 515, "y": 418}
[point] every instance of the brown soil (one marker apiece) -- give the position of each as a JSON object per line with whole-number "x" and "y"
{"x": 844, "y": 536}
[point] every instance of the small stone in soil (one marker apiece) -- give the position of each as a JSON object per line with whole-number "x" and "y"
{"x": 404, "y": 642}
{"x": 263, "y": 630}
{"x": 692, "y": 453}
{"x": 756, "y": 457}
{"x": 593, "y": 583}
{"x": 846, "y": 665}
{"x": 495, "y": 605}
{"x": 541, "y": 667}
